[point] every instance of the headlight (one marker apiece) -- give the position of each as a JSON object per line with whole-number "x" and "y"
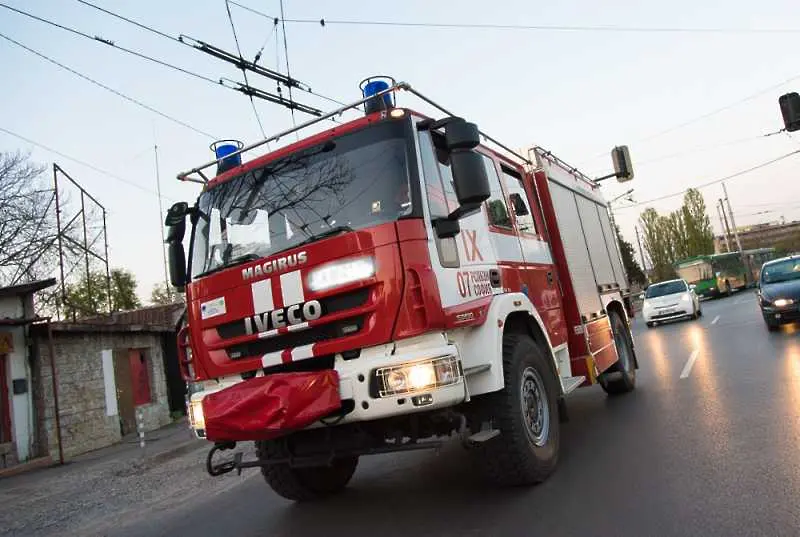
{"x": 686, "y": 297}
{"x": 782, "y": 302}
{"x": 341, "y": 273}
{"x": 418, "y": 376}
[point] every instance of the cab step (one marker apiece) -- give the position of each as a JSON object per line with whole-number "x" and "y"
{"x": 483, "y": 436}
{"x": 569, "y": 384}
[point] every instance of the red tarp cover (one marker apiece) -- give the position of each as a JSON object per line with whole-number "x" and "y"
{"x": 267, "y": 407}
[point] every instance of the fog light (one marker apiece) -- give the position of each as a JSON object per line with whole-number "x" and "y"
{"x": 196, "y": 418}
{"x": 418, "y": 376}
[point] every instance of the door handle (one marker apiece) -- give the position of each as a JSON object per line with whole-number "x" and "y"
{"x": 549, "y": 278}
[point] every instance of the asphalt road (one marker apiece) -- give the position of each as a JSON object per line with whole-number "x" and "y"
{"x": 706, "y": 446}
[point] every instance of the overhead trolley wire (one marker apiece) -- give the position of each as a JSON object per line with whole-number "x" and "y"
{"x": 244, "y": 71}
{"x": 107, "y": 88}
{"x": 715, "y": 181}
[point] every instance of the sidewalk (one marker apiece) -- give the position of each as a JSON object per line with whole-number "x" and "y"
{"x": 96, "y": 490}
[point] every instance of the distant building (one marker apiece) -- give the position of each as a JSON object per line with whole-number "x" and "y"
{"x": 781, "y": 236}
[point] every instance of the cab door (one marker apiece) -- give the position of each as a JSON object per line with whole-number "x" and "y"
{"x": 537, "y": 272}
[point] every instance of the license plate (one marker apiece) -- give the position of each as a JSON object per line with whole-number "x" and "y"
{"x": 667, "y": 311}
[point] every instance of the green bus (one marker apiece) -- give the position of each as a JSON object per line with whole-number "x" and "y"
{"x": 719, "y": 274}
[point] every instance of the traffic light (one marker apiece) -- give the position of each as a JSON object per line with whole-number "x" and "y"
{"x": 790, "y": 109}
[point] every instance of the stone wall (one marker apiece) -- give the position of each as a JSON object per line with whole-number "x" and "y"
{"x": 89, "y": 419}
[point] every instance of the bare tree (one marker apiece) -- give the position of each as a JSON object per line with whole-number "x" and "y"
{"x": 27, "y": 226}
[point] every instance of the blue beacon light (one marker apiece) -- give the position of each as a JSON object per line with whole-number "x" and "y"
{"x": 223, "y": 148}
{"x": 372, "y": 86}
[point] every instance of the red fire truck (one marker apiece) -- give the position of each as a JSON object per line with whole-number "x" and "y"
{"x": 387, "y": 283}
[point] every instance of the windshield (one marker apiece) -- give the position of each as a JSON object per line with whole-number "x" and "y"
{"x": 351, "y": 182}
{"x": 696, "y": 272}
{"x": 664, "y": 289}
{"x": 781, "y": 271}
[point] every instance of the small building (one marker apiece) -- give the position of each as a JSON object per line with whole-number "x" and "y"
{"x": 18, "y": 410}
{"x": 111, "y": 374}
{"x": 779, "y": 235}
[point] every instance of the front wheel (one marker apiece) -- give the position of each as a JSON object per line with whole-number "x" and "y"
{"x": 620, "y": 377}
{"x": 526, "y": 413}
{"x": 307, "y": 483}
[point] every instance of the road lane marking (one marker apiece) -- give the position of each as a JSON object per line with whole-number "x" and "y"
{"x": 715, "y": 320}
{"x": 689, "y": 364}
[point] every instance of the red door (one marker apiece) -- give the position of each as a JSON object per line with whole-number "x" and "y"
{"x": 5, "y": 402}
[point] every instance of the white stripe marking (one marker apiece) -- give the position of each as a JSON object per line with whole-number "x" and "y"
{"x": 297, "y": 327}
{"x": 262, "y": 296}
{"x": 292, "y": 288}
{"x": 303, "y": 352}
{"x": 268, "y": 333}
{"x": 689, "y": 364}
{"x": 715, "y": 320}
{"x": 270, "y": 359}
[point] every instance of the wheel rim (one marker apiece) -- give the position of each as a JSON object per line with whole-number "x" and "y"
{"x": 535, "y": 410}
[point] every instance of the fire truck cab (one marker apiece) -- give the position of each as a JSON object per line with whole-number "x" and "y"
{"x": 388, "y": 282}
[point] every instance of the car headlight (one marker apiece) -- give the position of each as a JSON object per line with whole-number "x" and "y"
{"x": 686, "y": 297}
{"x": 341, "y": 273}
{"x": 781, "y": 302}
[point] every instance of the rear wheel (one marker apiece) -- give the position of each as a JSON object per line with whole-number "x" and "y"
{"x": 306, "y": 484}
{"x": 650, "y": 325}
{"x": 620, "y": 377}
{"x": 526, "y": 413}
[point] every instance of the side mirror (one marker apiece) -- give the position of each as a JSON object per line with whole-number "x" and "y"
{"x": 469, "y": 173}
{"x": 692, "y": 287}
{"x": 790, "y": 110}
{"x": 176, "y": 255}
{"x": 641, "y": 296}
{"x": 623, "y": 167}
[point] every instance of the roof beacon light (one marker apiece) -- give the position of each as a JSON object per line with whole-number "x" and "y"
{"x": 374, "y": 85}
{"x": 223, "y": 148}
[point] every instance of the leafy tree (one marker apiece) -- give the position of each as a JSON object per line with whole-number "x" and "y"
{"x": 632, "y": 268}
{"x": 89, "y": 297}
{"x": 163, "y": 295}
{"x": 699, "y": 235}
{"x": 680, "y": 234}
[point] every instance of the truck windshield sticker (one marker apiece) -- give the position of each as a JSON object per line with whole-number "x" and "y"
{"x": 212, "y": 308}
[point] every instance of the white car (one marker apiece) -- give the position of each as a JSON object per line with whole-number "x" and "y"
{"x": 673, "y": 299}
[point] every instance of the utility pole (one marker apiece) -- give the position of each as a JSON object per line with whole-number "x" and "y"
{"x": 641, "y": 251}
{"x": 728, "y": 240}
{"x": 161, "y": 223}
{"x": 724, "y": 226}
{"x": 747, "y": 274}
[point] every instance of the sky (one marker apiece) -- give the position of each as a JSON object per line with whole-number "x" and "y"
{"x": 692, "y": 106}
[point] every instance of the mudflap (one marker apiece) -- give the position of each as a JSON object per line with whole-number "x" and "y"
{"x": 267, "y": 407}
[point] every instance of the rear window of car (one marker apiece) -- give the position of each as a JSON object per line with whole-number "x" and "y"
{"x": 664, "y": 289}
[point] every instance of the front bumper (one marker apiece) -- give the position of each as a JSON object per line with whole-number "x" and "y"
{"x": 785, "y": 314}
{"x": 357, "y": 378}
{"x": 655, "y": 316}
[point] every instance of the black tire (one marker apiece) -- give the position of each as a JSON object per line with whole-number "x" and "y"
{"x": 306, "y": 484}
{"x": 650, "y": 325}
{"x": 700, "y": 313}
{"x": 772, "y": 326}
{"x": 526, "y": 413}
{"x": 621, "y": 377}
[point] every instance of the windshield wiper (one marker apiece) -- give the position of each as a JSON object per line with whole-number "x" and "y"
{"x": 231, "y": 263}
{"x": 335, "y": 230}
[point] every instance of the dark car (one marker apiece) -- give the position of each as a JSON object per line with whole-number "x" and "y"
{"x": 779, "y": 291}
